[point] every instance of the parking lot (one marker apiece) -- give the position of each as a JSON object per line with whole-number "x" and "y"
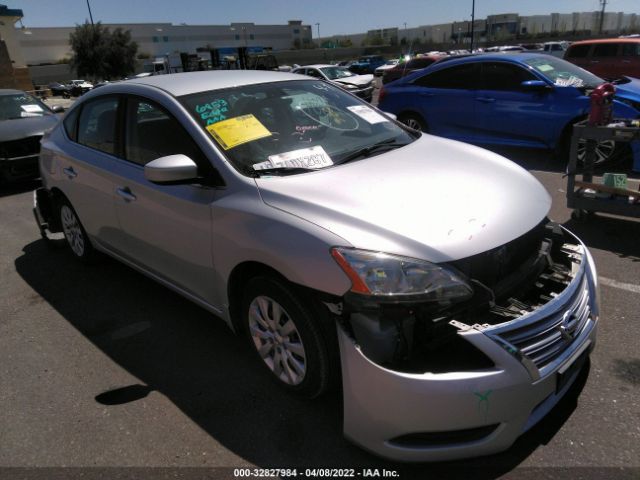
{"x": 100, "y": 366}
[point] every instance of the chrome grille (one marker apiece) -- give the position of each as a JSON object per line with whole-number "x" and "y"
{"x": 544, "y": 340}
{"x": 23, "y": 147}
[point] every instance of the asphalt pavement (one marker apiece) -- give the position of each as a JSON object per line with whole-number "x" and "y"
{"x": 100, "y": 366}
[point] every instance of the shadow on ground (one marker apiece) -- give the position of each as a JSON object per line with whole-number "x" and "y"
{"x": 178, "y": 349}
{"x": 14, "y": 188}
{"x": 615, "y": 234}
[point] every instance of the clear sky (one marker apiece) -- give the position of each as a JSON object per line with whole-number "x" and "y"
{"x": 334, "y": 16}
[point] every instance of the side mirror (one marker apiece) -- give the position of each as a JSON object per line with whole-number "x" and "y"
{"x": 172, "y": 168}
{"x": 57, "y": 109}
{"x": 535, "y": 86}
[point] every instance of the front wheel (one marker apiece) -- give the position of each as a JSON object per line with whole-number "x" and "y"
{"x": 287, "y": 336}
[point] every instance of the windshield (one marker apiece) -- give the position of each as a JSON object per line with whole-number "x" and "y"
{"x": 563, "y": 73}
{"x": 334, "y": 73}
{"x": 21, "y": 105}
{"x": 292, "y": 124}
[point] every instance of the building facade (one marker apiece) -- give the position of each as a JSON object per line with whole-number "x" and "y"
{"x": 51, "y": 45}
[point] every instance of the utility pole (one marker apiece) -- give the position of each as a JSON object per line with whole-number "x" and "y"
{"x": 604, "y": 5}
{"x": 473, "y": 17}
{"x": 319, "y": 42}
{"x": 90, "y": 16}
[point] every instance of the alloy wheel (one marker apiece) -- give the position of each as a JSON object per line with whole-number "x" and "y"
{"x": 72, "y": 230}
{"x": 277, "y": 340}
{"x": 413, "y": 123}
{"x": 604, "y": 151}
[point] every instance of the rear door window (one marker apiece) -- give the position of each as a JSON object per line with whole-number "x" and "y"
{"x": 97, "y": 124}
{"x": 460, "y": 77}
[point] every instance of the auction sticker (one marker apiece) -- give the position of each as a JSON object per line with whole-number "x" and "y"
{"x": 367, "y": 114}
{"x": 313, "y": 158}
{"x": 237, "y": 130}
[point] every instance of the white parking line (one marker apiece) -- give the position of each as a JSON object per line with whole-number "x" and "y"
{"x": 629, "y": 287}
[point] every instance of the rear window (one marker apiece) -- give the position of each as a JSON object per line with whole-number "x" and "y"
{"x": 605, "y": 50}
{"x": 578, "y": 51}
{"x": 419, "y": 62}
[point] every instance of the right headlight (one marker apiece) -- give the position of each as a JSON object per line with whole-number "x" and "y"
{"x": 384, "y": 275}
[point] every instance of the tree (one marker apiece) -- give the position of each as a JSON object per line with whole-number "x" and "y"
{"x": 100, "y": 53}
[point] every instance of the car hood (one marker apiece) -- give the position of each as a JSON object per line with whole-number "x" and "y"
{"x": 434, "y": 199}
{"x": 358, "y": 80}
{"x": 25, "y": 127}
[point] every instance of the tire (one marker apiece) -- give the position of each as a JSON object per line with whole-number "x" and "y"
{"x": 414, "y": 121}
{"x": 607, "y": 151}
{"x": 289, "y": 338}
{"x": 75, "y": 234}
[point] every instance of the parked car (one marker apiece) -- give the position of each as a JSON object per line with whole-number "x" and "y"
{"x": 511, "y": 48}
{"x": 556, "y": 49}
{"x": 405, "y": 68}
{"x": 609, "y": 58}
{"x": 367, "y": 64}
{"x": 421, "y": 272}
{"x": 58, "y": 89}
{"x": 383, "y": 68}
{"x": 23, "y": 120}
{"x": 360, "y": 85}
{"x": 521, "y": 99}
{"x": 79, "y": 87}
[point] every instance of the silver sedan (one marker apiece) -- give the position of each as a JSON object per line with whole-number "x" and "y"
{"x": 420, "y": 274}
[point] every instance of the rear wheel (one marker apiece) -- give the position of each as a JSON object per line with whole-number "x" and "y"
{"x": 75, "y": 234}
{"x": 607, "y": 151}
{"x": 413, "y": 120}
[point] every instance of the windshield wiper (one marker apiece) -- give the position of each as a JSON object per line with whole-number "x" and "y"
{"x": 281, "y": 171}
{"x": 367, "y": 151}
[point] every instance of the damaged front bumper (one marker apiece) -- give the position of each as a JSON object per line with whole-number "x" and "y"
{"x": 410, "y": 416}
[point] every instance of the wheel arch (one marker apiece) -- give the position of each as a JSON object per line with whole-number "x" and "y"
{"x": 413, "y": 112}
{"x": 238, "y": 278}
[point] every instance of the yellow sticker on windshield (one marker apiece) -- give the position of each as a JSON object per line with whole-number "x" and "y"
{"x": 237, "y": 130}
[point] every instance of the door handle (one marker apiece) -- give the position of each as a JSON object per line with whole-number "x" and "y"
{"x": 485, "y": 99}
{"x": 125, "y": 193}
{"x": 594, "y": 61}
{"x": 69, "y": 172}
{"x": 626, "y": 61}
{"x": 426, "y": 94}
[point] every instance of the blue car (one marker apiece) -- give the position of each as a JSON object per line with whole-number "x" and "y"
{"x": 522, "y": 100}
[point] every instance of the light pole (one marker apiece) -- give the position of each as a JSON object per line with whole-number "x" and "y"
{"x": 90, "y": 16}
{"x": 473, "y": 23}
{"x": 406, "y": 39}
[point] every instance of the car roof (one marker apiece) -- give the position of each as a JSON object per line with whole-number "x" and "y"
{"x": 515, "y": 56}
{"x": 178, "y": 84}
{"x": 318, "y": 65}
{"x": 10, "y": 91}
{"x": 607, "y": 40}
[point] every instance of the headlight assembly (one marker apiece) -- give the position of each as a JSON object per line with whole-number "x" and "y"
{"x": 379, "y": 274}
